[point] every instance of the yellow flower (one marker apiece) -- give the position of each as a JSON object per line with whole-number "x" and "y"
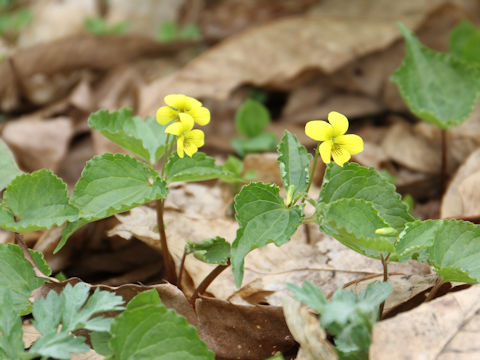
{"x": 335, "y": 144}
{"x": 188, "y": 140}
{"x": 179, "y": 104}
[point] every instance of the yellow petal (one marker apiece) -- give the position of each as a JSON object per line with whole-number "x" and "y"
{"x": 181, "y": 102}
{"x": 352, "y": 143}
{"x": 177, "y": 128}
{"x": 339, "y": 123}
{"x": 190, "y": 148}
{"x": 325, "y": 149}
{"x": 340, "y": 155}
{"x": 186, "y": 120}
{"x": 319, "y": 130}
{"x": 165, "y": 114}
{"x": 180, "y": 141}
{"x": 196, "y": 137}
{"x": 201, "y": 115}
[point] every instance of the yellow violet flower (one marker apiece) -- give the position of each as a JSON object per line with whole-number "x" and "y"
{"x": 182, "y": 104}
{"x": 188, "y": 140}
{"x": 334, "y": 141}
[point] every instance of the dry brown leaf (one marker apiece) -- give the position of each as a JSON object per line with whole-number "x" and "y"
{"x": 276, "y": 54}
{"x": 460, "y": 199}
{"x": 56, "y": 19}
{"x": 446, "y": 328}
{"x": 242, "y": 332}
{"x": 306, "y": 330}
{"x": 217, "y": 22}
{"x": 30, "y": 334}
{"x": 39, "y": 143}
{"x": 143, "y": 17}
{"x": 266, "y": 167}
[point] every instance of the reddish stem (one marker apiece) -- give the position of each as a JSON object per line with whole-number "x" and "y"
{"x": 167, "y": 258}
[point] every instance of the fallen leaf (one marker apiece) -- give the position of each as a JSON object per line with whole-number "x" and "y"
{"x": 270, "y": 56}
{"x": 446, "y": 328}
{"x": 460, "y": 199}
{"x": 39, "y": 143}
{"x": 305, "y": 328}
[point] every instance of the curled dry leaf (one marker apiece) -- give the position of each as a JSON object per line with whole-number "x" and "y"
{"x": 305, "y": 328}
{"x": 39, "y": 143}
{"x": 446, "y": 328}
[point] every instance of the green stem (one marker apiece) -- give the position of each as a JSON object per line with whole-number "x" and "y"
{"x": 168, "y": 149}
{"x": 314, "y": 166}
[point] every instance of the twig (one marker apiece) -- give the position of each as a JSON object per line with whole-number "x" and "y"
{"x": 180, "y": 273}
{"x": 207, "y": 281}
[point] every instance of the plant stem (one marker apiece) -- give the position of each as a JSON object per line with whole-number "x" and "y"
{"x": 443, "y": 170}
{"x": 434, "y": 291}
{"x": 182, "y": 266}
{"x": 207, "y": 281}
{"x": 385, "y": 278}
{"x": 312, "y": 173}
{"x": 167, "y": 258}
{"x": 168, "y": 149}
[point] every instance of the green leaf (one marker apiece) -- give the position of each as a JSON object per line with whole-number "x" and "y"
{"x": 148, "y": 330}
{"x": 465, "y": 42}
{"x": 190, "y": 32}
{"x": 353, "y": 222}
{"x": 347, "y": 316}
{"x": 350, "y": 318}
{"x": 196, "y": 168}
{"x": 294, "y": 162}
{"x": 39, "y": 260}
{"x": 100, "y": 342}
{"x": 14, "y": 21}
{"x": 437, "y": 87}
{"x": 11, "y": 343}
{"x": 251, "y": 118}
{"x": 145, "y": 138}
{"x": 263, "y": 218}
{"x": 73, "y": 312}
{"x": 17, "y": 276}
{"x": 167, "y": 31}
{"x": 111, "y": 184}
{"x": 232, "y": 171}
{"x": 211, "y": 251}
{"x": 8, "y": 167}
{"x": 98, "y": 26}
{"x": 258, "y": 144}
{"x": 451, "y": 246}
{"x": 35, "y": 201}
{"x": 309, "y": 294}
{"x": 356, "y": 182}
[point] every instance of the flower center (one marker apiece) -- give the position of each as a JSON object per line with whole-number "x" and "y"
{"x": 337, "y": 150}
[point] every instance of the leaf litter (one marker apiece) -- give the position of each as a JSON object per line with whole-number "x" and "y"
{"x": 348, "y": 68}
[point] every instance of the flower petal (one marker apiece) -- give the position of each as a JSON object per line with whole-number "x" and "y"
{"x": 340, "y": 155}
{"x": 319, "y": 130}
{"x": 201, "y": 115}
{"x": 181, "y": 102}
{"x": 325, "y": 149}
{"x": 186, "y": 120}
{"x": 180, "y": 142}
{"x": 165, "y": 114}
{"x": 190, "y": 149}
{"x": 177, "y": 129}
{"x": 351, "y": 142}
{"x": 196, "y": 137}
{"x": 339, "y": 123}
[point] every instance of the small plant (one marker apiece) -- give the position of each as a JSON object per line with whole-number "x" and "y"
{"x": 251, "y": 120}
{"x": 98, "y": 26}
{"x": 169, "y": 31}
{"x": 13, "y": 19}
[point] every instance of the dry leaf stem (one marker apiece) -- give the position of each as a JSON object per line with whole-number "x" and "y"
{"x": 167, "y": 258}
{"x": 207, "y": 281}
{"x": 434, "y": 291}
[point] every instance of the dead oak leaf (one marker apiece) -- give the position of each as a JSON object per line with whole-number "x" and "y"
{"x": 446, "y": 328}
